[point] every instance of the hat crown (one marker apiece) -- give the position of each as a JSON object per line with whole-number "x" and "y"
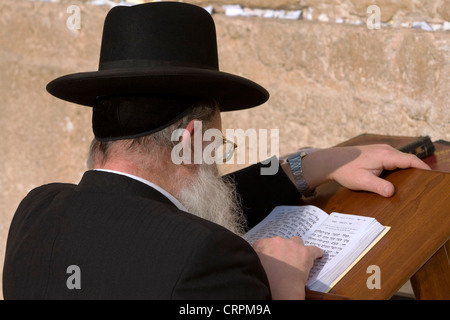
{"x": 159, "y": 35}
{"x": 159, "y": 48}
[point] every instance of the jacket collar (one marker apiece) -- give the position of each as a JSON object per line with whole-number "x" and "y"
{"x": 108, "y": 182}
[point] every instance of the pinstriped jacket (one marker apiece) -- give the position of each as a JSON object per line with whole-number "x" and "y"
{"x": 130, "y": 242}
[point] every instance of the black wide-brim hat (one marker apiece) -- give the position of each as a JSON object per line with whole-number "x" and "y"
{"x": 163, "y": 48}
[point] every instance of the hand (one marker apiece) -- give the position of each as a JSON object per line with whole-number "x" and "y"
{"x": 287, "y": 263}
{"x": 359, "y": 167}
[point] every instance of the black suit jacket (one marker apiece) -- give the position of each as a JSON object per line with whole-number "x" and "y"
{"x": 131, "y": 242}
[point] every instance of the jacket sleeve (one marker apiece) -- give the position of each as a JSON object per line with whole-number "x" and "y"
{"x": 259, "y": 194}
{"x": 223, "y": 267}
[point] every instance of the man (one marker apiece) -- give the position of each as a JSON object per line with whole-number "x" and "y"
{"x": 139, "y": 225}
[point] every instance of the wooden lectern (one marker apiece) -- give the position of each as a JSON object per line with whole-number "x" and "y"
{"x": 417, "y": 246}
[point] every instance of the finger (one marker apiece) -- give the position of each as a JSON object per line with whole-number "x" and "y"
{"x": 419, "y": 164}
{"x": 404, "y": 161}
{"x": 316, "y": 252}
{"x": 299, "y": 240}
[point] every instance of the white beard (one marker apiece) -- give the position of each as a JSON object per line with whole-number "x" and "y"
{"x": 208, "y": 196}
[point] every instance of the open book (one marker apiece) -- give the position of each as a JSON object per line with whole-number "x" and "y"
{"x": 344, "y": 238}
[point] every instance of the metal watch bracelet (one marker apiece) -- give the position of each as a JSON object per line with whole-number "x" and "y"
{"x": 295, "y": 162}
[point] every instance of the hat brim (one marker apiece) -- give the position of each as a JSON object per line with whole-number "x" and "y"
{"x": 231, "y": 91}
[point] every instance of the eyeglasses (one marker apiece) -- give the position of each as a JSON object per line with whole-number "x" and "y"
{"x": 228, "y": 149}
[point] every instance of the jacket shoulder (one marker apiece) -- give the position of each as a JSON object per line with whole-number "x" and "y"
{"x": 38, "y": 198}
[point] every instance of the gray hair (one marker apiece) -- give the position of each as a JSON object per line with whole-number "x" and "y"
{"x": 154, "y": 143}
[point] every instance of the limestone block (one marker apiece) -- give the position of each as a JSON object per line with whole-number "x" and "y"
{"x": 444, "y": 10}
{"x": 401, "y": 10}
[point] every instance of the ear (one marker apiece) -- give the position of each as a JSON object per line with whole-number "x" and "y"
{"x": 188, "y": 134}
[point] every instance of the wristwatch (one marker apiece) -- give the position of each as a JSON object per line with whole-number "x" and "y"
{"x": 295, "y": 162}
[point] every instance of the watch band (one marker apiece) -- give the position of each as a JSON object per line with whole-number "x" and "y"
{"x": 295, "y": 162}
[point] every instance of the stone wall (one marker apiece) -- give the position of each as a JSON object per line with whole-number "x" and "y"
{"x": 328, "y": 81}
{"x": 436, "y": 11}
{"x": 391, "y": 10}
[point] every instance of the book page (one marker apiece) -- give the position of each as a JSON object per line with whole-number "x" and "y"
{"x": 287, "y": 222}
{"x": 337, "y": 236}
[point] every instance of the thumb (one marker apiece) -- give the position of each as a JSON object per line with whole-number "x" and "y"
{"x": 387, "y": 190}
{"x": 380, "y": 186}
